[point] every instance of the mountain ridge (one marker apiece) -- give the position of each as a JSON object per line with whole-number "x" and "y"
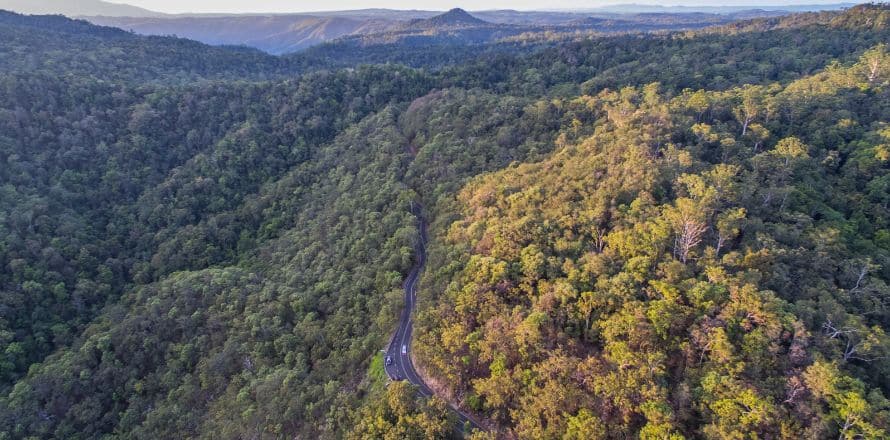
{"x": 273, "y": 34}
{"x": 74, "y": 8}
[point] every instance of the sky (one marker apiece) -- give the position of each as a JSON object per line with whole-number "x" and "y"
{"x": 233, "y": 6}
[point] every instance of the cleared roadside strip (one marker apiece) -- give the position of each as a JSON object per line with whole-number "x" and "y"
{"x": 402, "y": 366}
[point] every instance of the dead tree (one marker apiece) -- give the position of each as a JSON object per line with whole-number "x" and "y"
{"x": 689, "y": 235}
{"x": 852, "y": 342}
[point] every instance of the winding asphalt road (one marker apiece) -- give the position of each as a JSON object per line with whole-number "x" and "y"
{"x": 399, "y": 350}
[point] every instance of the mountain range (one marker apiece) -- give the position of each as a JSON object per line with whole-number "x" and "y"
{"x": 286, "y": 33}
{"x": 80, "y": 8}
{"x": 279, "y": 34}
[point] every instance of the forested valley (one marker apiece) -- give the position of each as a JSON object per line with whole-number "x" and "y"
{"x": 658, "y": 236}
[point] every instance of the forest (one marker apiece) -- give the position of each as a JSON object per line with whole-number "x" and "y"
{"x": 673, "y": 235}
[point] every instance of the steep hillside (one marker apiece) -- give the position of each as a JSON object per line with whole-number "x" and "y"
{"x": 704, "y": 265}
{"x": 671, "y": 236}
{"x": 56, "y": 45}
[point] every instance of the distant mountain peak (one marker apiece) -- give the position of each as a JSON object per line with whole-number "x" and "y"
{"x": 454, "y": 17}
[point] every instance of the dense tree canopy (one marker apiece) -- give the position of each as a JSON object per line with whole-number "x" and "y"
{"x": 681, "y": 235}
{"x": 676, "y": 274}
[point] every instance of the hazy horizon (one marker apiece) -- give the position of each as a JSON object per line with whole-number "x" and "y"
{"x": 288, "y": 6}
